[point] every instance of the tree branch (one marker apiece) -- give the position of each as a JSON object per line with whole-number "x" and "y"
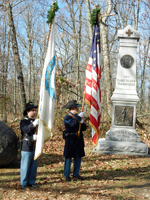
{"x": 17, "y": 3}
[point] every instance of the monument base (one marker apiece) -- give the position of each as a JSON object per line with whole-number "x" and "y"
{"x": 121, "y": 148}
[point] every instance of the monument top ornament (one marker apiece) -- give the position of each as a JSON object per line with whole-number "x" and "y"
{"x": 128, "y": 32}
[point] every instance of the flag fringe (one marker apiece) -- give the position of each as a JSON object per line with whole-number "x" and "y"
{"x": 43, "y": 144}
{"x": 96, "y": 131}
{"x": 45, "y": 125}
{"x": 38, "y": 155}
{"x": 94, "y": 144}
{"x": 48, "y": 137}
{"x": 88, "y": 103}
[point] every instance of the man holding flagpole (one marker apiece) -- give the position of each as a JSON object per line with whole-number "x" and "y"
{"x": 28, "y": 167}
{"x": 74, "y": 142}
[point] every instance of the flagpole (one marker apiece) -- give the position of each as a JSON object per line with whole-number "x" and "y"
{"x": 47, "y": 87}
{"x": 50, "y": 26}
{"x": 45, "y": 56}
{"x": 93, "y": 78}
{"x": 38, "y": 115}
{"x": 81, "y": 111}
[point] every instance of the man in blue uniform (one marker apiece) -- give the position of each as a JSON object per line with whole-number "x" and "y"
{"x": 28, "y": 164}
{"x": 74, "y": 144}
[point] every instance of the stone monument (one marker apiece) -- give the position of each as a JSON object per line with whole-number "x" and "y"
{"x": 122, "y": 137}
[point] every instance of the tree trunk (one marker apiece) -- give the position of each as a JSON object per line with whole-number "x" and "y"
{"x": 5, "y": 77}
{"x": 76, "y": 36}
{"x": 3, "y": 72}
{"x": 138, "y": 85}
{"x": 17, "y": 61}
{"x": 15, "y": 95}
{"x": 136, "y": 16}
{"x": 79, "y": 46}
{"x": 142, "y": 94}
{"x": 29, "y": 55}
{"x": 106, "y": 58}
{"x": 89, "y": 14}
{"x": 142, "y": 85}
{"x": 107, "y": 70}
{"x": 149, "y": 77}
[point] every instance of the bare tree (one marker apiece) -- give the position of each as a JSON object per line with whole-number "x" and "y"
{"x": 3, "y": 71}
{"x": 149, "y": 86}
{"x": 30, "y": 57}
{"x": 28, "y": 31}
{"x": 106, "y": 55}
{"x": 89, "y": 12}
{"x": 143, "y": 74}
{"x": 15, "y": 49}
{"x": 135, "y": 12}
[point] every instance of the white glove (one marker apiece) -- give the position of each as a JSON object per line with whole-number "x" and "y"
{"x": 82, "y": 121}
{"x": 81, "y": 114}
{"x": 36, "y": 122}
{"x": 34, "y": 137}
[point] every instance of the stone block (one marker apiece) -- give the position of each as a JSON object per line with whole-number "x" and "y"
{"x": 8, "y": 145}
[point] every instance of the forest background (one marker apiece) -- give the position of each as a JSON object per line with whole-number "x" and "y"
{"x": 23, "y": 43}
{"x": 24, "y": 34}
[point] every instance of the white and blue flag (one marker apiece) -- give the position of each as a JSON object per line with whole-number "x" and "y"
{"x": 47, "y": 96}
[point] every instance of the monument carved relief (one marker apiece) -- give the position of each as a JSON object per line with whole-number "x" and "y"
{"x": 127, "y": 61}
{"x": 123, "y": 115}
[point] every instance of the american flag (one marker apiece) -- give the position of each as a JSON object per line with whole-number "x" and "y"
{"x": 92, "y": 87}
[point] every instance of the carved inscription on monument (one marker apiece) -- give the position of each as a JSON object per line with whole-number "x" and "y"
{"x": 123, "y": 115}
{"x": 122, "y": 135}
{"x": 126, "y": 81}
{"x": 127, "y": 61}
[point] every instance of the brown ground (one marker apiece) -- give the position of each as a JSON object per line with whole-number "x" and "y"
{"x": 106, "y": 176}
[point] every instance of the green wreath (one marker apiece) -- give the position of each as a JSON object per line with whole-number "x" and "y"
{"x": 51, "y": 12}
{"x": 94, "y": 16}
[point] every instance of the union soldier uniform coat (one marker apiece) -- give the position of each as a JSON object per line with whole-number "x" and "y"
{"x": 74, "y": 144}
{"x": 27, "y": 129}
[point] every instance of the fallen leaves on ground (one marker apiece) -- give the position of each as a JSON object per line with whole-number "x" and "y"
{"x": 110, "y": 177}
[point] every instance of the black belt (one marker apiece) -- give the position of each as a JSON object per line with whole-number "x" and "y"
{"x": 66, "y": 134}
{"x": 72, "y": 133}
{"x": 29, "y": 140}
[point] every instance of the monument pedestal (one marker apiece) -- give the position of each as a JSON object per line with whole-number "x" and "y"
{"x": 121, "y": 148}
{"x": 122, "y": 137}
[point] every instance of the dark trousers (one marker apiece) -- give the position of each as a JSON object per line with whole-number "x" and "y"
{"x": 76, "y": 166}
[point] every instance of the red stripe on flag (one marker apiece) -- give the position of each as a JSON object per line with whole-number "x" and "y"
{"x": 88, "y": 82}
{"x": 88, "y": 98}
{"x": 89, "y": 67}
{"x": 94, "y": 84}
{"x": 94, "y": 139}
{"x": 93, "y": 122}
{"x": 94, "y": 103}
